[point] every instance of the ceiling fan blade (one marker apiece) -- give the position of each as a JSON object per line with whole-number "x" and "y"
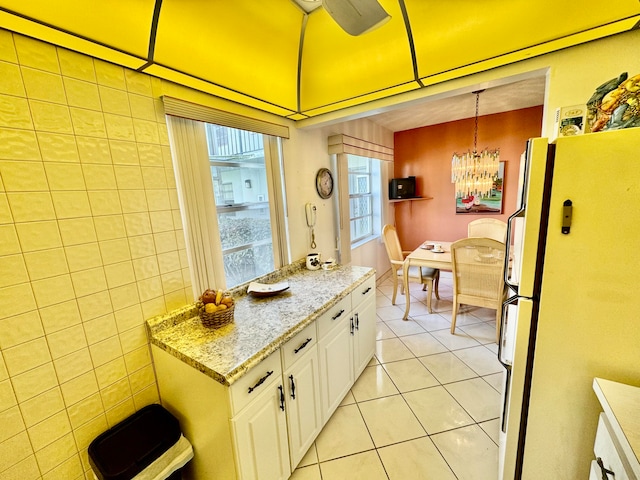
{"x": 356, "y": 16}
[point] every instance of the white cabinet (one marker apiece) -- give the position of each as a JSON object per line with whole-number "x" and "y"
{"x": 260, "y": 433}
{"x": 335, "y": 351}
{"x": 259, "y": 423}
{"x": 347, "y": 346}
{"x": 302, "y": 386}
{"x": 363, "y": 315}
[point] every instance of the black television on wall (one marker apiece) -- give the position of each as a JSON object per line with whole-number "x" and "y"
{"x": 400, "y": 188}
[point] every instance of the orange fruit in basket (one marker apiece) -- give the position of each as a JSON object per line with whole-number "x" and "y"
{"x": 228, "y": 301}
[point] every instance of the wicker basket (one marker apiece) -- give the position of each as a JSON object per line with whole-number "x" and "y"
{"x": 217, "y": 319}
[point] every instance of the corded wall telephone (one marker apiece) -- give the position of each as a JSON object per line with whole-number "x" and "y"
{"x": 310, "y": 210}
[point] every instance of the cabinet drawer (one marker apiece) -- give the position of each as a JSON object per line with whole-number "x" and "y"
{"x": 363, "y": 292}
{"x": 605, "y": 447}
{"x": 255, "y": 381}
{"x": 298, "y": 345}
{"x": 332, "y": 317}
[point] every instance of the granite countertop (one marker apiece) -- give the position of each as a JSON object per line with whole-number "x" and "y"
{"x": 261, "y": 325}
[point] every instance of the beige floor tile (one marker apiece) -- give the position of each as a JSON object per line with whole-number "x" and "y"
{"x": 496, "y": 380}
{"x": 420, "y": 307}
{"x": 492, "y": 346}
{"x": 477, "y": 397}
{"x": 307, "y": 473}
{"x": 390, "y": 420}
{"x": 383, "y": 301}
{"x": 480, "y": 359}
{"x": 391, "y": 350}
{"x": 447, "y": 368}
{"x": 392, "y": 312}
{"x": 374, "y": 415}
{"x": 492, "y": 428}
{"x": 383, "y": 331}
{"x": 310, "y": 458}
{"x": 437, "y": 410}
{"x": 386, "y": 290}
{"x": 469, "y": 452}
{"x": 423, "y": 344}
{"x": 363, "y": 466}
{"x": 344, "y": 434}
{"x": 374, "y": 382}
{"x": 415, "y": 460}
{"x": 483, "y": 313}
{"x": 455, "y": 341}
{"x": 482, "y": 332}
{"x": 410, "y": 375}
{"x": 404, "y": 327}
{"x": 465, "y": 317}
{"x": 433, "y": 321}
{"x": 348, "y": 399}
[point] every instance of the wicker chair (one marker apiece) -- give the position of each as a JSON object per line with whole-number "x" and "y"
{"x": 488, "y": 228}
{"x": 478, "y": 276}
{"x": 429, "y": 277}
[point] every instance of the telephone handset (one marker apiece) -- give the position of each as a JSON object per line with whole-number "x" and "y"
{"x": 310, "y": 210}
{"x": 311, "y": 214}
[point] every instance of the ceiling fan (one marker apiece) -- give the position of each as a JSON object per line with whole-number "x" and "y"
{"x": 354, "y": 16}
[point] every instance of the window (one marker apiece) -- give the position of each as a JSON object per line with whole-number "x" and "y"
{"x": 364, "y": 197}
{"x": 239, "y": 177}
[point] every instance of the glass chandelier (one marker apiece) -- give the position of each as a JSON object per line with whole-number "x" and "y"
{"x": 474, "y": 173}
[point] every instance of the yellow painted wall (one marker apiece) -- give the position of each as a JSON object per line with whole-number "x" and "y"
{"x": 91, "y": 245}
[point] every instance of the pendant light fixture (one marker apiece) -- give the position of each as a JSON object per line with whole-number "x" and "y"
{"x": 474, "y": 173}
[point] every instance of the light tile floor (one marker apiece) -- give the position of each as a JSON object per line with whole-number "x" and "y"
{"x": 428, "y": 404}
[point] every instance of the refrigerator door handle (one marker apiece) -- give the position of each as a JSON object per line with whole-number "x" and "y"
{"x": 507, "y": 257}
{"x": 503, "y": 316}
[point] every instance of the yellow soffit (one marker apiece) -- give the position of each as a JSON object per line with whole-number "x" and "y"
{"x": 339, "y": 70}
{"x": 241, "y": 46}
{"x": 270, "y": 56}
{"x": 492, "y": 33}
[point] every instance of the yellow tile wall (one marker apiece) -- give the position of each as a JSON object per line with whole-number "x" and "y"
{"x": 91, "y": 245}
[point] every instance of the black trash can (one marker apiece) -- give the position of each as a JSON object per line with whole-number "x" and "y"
{"x": 134, "y": 444}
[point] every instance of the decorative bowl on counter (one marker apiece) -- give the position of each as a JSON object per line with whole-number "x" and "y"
{"x": 267, "y": 289}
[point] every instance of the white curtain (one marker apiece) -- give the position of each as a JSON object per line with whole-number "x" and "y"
{"x": 189, "y": 151}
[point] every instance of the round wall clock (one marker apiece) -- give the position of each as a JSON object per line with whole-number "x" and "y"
{"x": 324, "y": 183}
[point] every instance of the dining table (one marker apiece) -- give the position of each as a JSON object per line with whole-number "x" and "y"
{"x": 424, "y": 256}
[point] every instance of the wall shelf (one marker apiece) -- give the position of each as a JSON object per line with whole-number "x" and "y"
{"x": 414, "y": 199}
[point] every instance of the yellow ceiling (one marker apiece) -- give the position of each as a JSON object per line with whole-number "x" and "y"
{"x": 271, "y": 55}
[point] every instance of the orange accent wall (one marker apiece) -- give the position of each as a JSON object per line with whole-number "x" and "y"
{"x": 426, "y": 153}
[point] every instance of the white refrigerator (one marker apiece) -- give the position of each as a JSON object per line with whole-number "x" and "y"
{"x": 574, "y": 312}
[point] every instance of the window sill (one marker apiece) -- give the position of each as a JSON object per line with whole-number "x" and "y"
{"x": 364, "y": 241}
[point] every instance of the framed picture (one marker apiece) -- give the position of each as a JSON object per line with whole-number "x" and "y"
{"x": 484, "y": 205}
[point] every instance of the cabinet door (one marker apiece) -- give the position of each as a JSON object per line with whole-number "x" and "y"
{"x": 304, "y": 417}
{"x": 364, "y": 338}
{"x": 335, "y": 352}
{"x": 260, "y": 431}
